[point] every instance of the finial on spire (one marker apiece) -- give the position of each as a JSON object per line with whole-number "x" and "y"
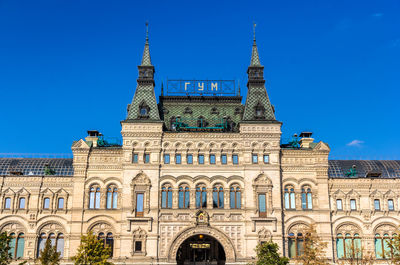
{"x": 162, "y": 89}
{"x": 146, "y": 60}
{"x": 255, "y": 60}
{"x": 238, "y": 88}
{"x": 254, "y": 31}
{"x": 147, "y": 31}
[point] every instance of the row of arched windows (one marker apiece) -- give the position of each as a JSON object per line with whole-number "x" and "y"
{"x": 290, "y": 198}
{"x": 111, "y": 197}
{"x": 201, "y": 192}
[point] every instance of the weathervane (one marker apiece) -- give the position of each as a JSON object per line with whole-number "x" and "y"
{"x": 254, "y": 30}
{"x": 147, "y": 30}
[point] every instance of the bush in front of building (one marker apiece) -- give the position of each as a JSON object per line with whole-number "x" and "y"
{"x": 92, "y": 251}
{"x": 267, "y": 254}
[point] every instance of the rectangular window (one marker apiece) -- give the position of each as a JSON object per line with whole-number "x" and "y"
{"x": 390, "y": 205}
{"x": 178, "y": 159}
{"x": 266, "y": 159}
{"x": 60, "y": 203}
{"x": 147, "y": 158}
{"x": 254, "y": 158}
{"x": 138, "y": 246}
{"x": 377, "y": 205}
{"x": 139, "y": 204}
{"x": 262, "y": 205}
{"x": 339, "y": 205}
{"x": 201, "y": 159}
{"x": 189, "y": 159}
{"x": 135, "y": 158}
{"x": 166, "y": 158}
{"x": 223, "y": 159}
{"x": 353, "y": 205}
{"x": 212, "y": 159}
{"x": 235, "y": 159}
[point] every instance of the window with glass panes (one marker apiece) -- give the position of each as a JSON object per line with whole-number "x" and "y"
{"x": 166, "y": 158}
{"x": 189, "y": 159}
{"x": 235, "y": 159}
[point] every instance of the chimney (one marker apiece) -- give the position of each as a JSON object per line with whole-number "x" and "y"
{"x": 306, "y": 139}
{"x": 93, "y": 136}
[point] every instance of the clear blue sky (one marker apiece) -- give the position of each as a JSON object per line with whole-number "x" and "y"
{"x": 332, "y": 67}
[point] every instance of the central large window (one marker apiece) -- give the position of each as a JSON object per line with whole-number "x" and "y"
{"x": 184, "y": 197}
{"x": 201, "y": 196}
{"x": 218, "y": 196}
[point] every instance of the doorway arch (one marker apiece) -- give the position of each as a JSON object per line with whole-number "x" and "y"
{"x": 200, "y": 250}
{"x": 214, "y": 233}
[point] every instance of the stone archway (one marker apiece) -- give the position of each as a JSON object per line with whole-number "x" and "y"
{"x": 202, "y": 230}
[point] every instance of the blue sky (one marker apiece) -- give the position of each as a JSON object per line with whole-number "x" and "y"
{"x": 332, "y": 67}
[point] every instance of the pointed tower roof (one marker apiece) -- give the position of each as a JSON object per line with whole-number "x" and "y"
{"x": 258, "y": 106}
{"x": 146, "y": 59}
{"x": 144, "y": 105}
{"x": 255, "y": 59}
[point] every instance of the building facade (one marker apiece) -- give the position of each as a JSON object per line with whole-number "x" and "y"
{"x": 198, "y": 180}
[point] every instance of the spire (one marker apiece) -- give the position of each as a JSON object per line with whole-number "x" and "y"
{"x": 162, "y": 89}
{"x": 257, "y": 106}
{"x": 144, "y": 105}
{"x": 146, "y": 60}
{"x": 255, "y": 59}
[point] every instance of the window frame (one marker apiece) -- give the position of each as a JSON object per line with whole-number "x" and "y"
{"x": 254, "y": 158}
{"x": 224, "y": 159}
{"x": 178, "y": 159}
{"x": 212, "y": 159}
{"x": 391, "y": 208}
{"x": 341, "y": 205}
{"x": 137, "y": 213}
{"x": 20, "y": 200}
{"x": 189, "y": 159}
{"x": 167, "y": 159}
{"x": 46, "y": 200}
{"x": 200, "y": 158}
{"x": 351, "y": 205}
{"x": 135, "y": 158}
{"x": 266, "y": 156}
{"x": 146, "y": 158}
{"x": 233, "y": 159}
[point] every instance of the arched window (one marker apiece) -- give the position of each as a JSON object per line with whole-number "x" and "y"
{"x": 46, "y": 203}
{"x": 108, "y": 241}
{"x": 235, "y": 197}
{"x": 60, "y": 204}
{"x": 295, "y": 245}
{"x": 94, "y": 197}
{"x": 348, "y": 246}
{"x": 184, "y": 197}
{"x": 60, "y": 244}
{"x": 382, "y": 246}
{"x": 17, "y": 245}
{"x": 41, "y": 243}
{"x": 306, "y": 198}
{"x": 218, "y": 197}
{"x": 166, "y": 196}
{"x": 290, "y": 199}
{"x": 21, "y": 203}
{"x": 7, "y": 203}
{"x": 201, "y": 196}
{"x": 97, "y": 199}
{"x": 112, "y": 197}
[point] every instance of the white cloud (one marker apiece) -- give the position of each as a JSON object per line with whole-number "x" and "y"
{"x": 356, "y": 143}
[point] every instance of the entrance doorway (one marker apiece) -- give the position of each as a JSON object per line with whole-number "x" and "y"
{"x": 200, "y": 250}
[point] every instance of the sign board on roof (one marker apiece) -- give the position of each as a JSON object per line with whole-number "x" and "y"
{"x": 201, "y": 87}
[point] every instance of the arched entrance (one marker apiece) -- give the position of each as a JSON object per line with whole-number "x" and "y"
{"x": 200, "y": 250}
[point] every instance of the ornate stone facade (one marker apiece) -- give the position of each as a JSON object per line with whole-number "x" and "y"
{"x": 163, "y": 187}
